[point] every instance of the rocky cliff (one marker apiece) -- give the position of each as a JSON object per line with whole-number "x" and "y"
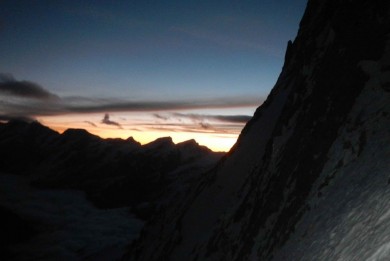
{"x": 308, "y": 177}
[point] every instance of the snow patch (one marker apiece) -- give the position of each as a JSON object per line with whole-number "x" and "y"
{"x": 383, "y": 253}
{"x": 70, "y": 228}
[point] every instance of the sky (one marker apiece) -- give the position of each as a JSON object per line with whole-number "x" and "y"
{"x": 146, "y": 69}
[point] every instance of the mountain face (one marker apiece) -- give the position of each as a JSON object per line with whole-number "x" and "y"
{"x": 112, "y": 172}
{"x": 309, "y": 176}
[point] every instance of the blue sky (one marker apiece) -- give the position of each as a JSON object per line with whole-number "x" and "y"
{"x": 148, "y": 50}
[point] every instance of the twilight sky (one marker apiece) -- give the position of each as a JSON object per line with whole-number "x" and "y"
{"x": 147, "y": 69}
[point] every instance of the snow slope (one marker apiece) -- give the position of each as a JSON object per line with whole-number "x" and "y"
{"x": 349, "y": 206}
{"x": 66, "y": 226}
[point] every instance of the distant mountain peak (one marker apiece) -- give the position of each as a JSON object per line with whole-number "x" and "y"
{"x": 72, "y": 131}
{"x": 163, "y": 142}
{"x": 188, "y": 143}
{"x": 79, "y": 134}
{"x": 132, "y": 140}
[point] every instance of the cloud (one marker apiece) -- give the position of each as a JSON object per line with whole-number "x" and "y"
{"x": 196, "y": 128}
{"x": 10, "y": 86}
{"x": 85, "y": 105}
{"x": 202, "y": 117}
{"x": 234, "y": 118}
{"x": 91, "y": 123}
{"x": 106, "y": 120}
{"x": 33, "y": 108}
{"x": 161, "y": 117}
{"x": 223, "y": 118}
{"x": 205, "y": 125}
{"x": 10, "y": 117}
{"x": 199, "y": 123}
{"x": 24, "y": 99}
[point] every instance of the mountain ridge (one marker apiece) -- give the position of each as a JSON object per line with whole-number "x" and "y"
{"x": 78, "y": 159}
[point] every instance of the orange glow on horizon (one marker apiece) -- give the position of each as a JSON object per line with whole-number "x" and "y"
{"x": 200, "y": 125}
{"x": 218, "y": 142}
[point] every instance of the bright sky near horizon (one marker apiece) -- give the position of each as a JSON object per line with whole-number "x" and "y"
{"x": 147, "y": 69}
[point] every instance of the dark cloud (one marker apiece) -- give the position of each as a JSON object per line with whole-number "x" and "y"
{"x": 233, "y": 118}
{"x": 10, "y": 117}
{"x": 161, "y": 117}
{"x": 30, "y": 100}
{"x": 91, "y": 123}
{"x": 195, "y": 129}
{"x": 232, "y": 124}
{"x": 205, "y": 125}
{"x": 10, "y": 86}
{"x": 106, "y": 120}
{"x": 202, "y": 117}
{"x": 135, "y": 129}
{"x": 82, "y": 105}
{"x": 90, "y": 106}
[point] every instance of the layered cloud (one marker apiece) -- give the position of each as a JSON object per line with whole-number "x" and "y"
{"x": 27, "y": 99}
{"x": 23, "y": 89}
{"x": 91, "y": 123}
{"x": 223, "y": 118}
{"x": 202, "y": 122}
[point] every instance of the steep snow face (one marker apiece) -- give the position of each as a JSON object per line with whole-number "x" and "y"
{"x": 348, "y": 215}
{"x": 333, "y": 87}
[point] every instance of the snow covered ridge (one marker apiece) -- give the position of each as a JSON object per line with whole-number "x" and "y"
{"x": 309, "y": 176}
